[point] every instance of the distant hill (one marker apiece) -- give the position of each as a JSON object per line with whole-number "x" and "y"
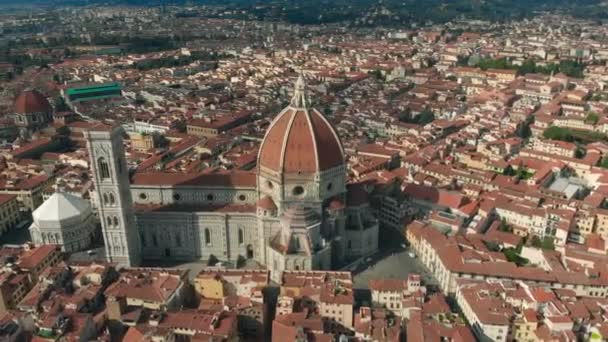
{"x": 373, "y": 12}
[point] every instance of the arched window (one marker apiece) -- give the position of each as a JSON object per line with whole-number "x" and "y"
{"x": 207, "y": 236}
{"x": 112, "y": 199}
{"x": 178, "y": 239}
{"x": 105, "y": 198}
{"x": 241, "y": 236}
{"x": 154, "y": 240}
{"x": 142, "y": 238}
{"x": 296, "y": 243}
{"x": 109, "y": 221}
{"x": 116, "y": 221}
{"x": 104, "y": 169}
{"x": 119, "y": 165}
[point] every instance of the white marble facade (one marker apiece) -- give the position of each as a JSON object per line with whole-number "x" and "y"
{"x": 65, "y": 220}
{"x": 264, "y": 216}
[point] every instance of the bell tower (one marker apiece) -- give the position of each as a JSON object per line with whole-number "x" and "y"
{"x": 115, "y": 208}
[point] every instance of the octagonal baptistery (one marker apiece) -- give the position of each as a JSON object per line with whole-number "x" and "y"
{"x": 65, "y": 220}
{"x": 301, "y": 158}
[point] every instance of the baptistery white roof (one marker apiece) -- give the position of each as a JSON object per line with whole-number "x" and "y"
{"x": 61, "y": 207}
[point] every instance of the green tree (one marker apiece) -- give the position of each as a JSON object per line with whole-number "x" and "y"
{"x": 512, "y": 256}
{"x": 523, "y": 130}
{"x": 522, "y": 173}
{"x": 536, "y": 242}
{"x": 504, "y": 226}
{"x": 527, "y": 67}
{"x": 425, "y": 117}
{"x": 548, "y": 243}
{"x": 592, "y": 118}
{"x": 508, "y": 171}
{"x": 558, "y": 133}
{"x": 463, "y": 60}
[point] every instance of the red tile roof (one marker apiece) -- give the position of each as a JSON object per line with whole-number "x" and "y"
{"x": 31, "y": 101}
{"x": 36, "y": 255}
{"x": 300, "y": 141}
{"x": 231, "y": 179}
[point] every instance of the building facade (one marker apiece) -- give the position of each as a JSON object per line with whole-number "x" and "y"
{"x": 290, "y": 215}
{"x": 115, "y": 208}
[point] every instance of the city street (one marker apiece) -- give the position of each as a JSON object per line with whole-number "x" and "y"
{"x": 396, "y": 265}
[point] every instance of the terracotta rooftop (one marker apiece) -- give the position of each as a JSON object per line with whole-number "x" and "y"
{"x": 300, "y": 140}
{"x": 228, "y": 179}
{"x": 31, "y": 101}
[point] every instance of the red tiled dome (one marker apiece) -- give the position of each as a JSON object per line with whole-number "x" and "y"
{"x": 31, "y": 101}
{"x": 300, "y": 140}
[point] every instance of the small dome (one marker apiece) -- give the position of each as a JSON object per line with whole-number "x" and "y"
{"x": 31, "y": 101}
{"x": 267, "y": 203}
{"x": 336, "y": 204}
{"x": 300, "y": 140}
{"x": 62, "y": 208}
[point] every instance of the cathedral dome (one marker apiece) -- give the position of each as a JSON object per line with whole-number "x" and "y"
{"x": 31, "y": 101}
{"x": 300, "y": 139}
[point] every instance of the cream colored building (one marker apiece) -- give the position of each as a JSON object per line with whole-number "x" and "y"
{"x": 442, "y": 256}
{"x": 391, "y": 293}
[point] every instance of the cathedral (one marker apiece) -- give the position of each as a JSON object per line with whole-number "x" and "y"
{"x": 295, "y": 212}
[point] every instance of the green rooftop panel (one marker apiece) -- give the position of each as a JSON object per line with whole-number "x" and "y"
{"x": 94, "y": 89}
{"x": 94, "y": 92}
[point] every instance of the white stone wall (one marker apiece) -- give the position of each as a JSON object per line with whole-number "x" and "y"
{"x": 316, "y": 188}
{"x": 183, "y": 235}
{"x": 74, "y": 236}
{"x": 117, "y": 218}
{"x": 193, "y": 195}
